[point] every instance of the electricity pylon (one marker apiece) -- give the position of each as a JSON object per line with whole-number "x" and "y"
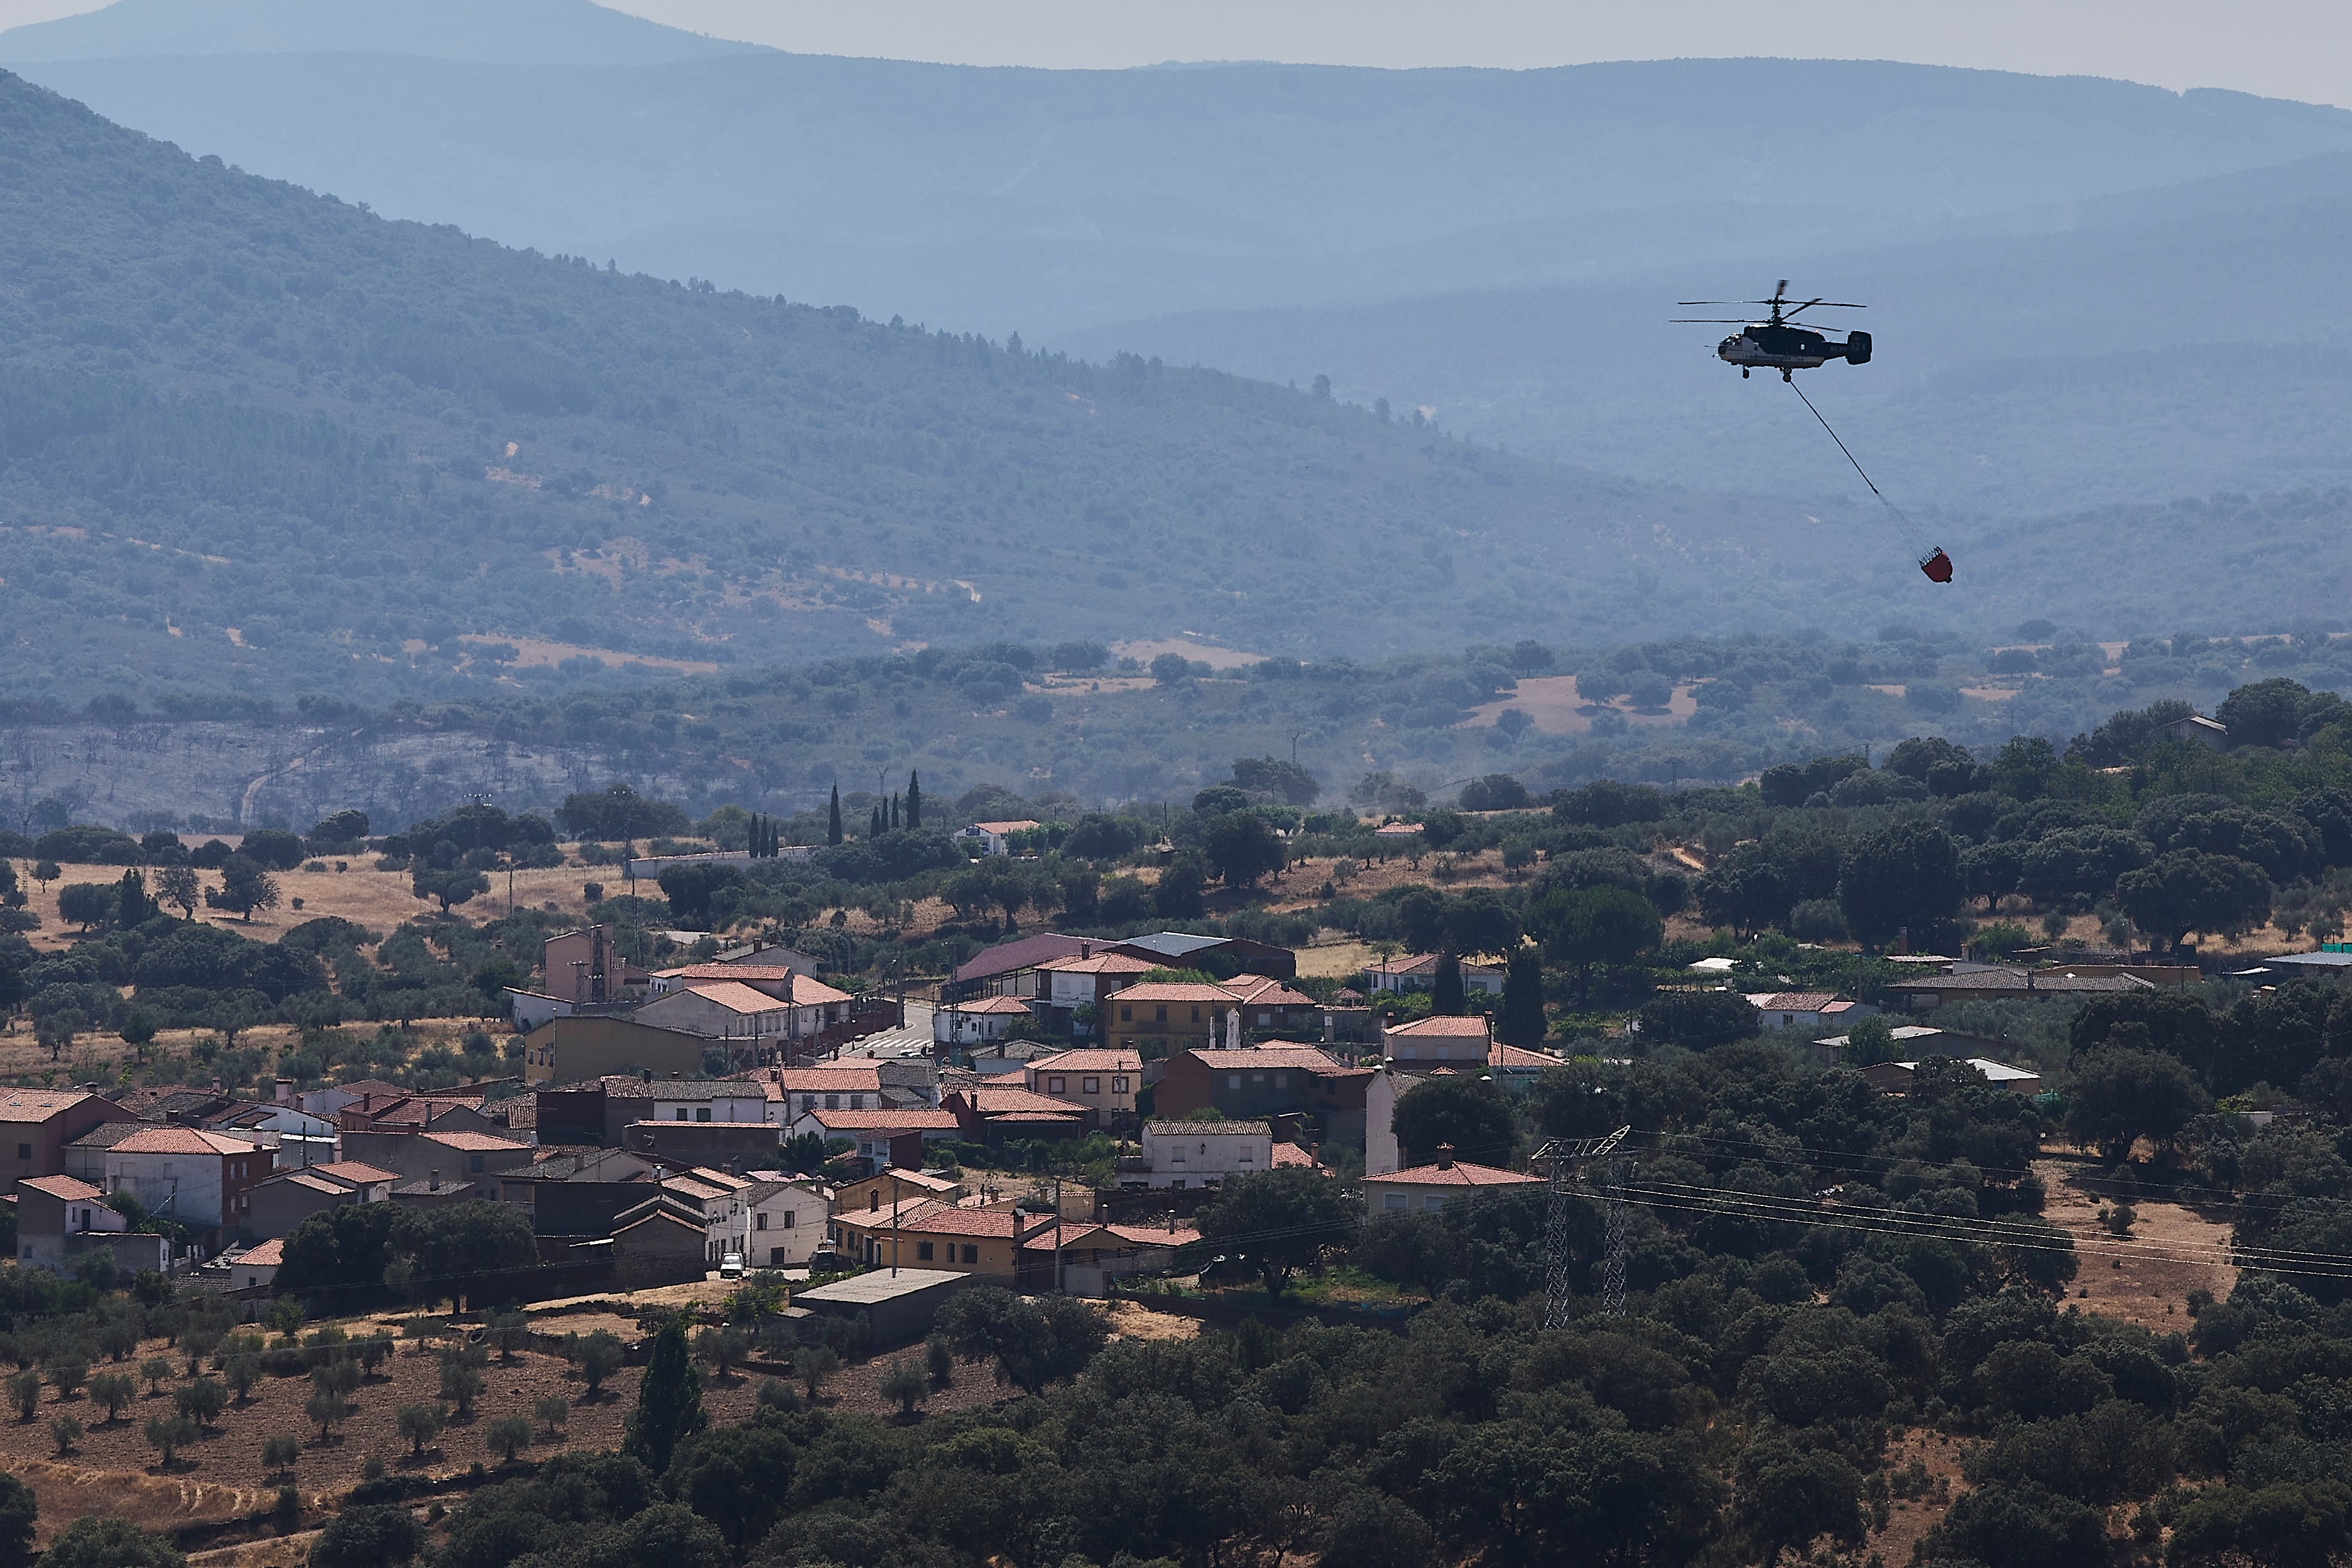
{"x": 1561, "y": 1160}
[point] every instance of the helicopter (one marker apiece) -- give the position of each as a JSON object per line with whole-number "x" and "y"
{"x": 1776, "y": 344}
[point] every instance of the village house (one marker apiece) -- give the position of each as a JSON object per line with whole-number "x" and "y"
{"x": 1263, "y": 1081}
{"x": 844, "y": 1086}
{"x": 53, "y": 1214}
{"x": 868, "y": 1194}
{"x": 1397, "y": 976}
{"x": 979, "y": 1021}
{"x": 1089, "y": 979}
{"x": 1436, "y": 1185}
{"x": 575, "y": 1050}
{"x": 1925, "y": 992}
{"x": 1164, "y": 1018}
{"x": 1103, "y": 1082}
{"x": 1198, "y": 1154}
{"x": 1011, "y": 968}
{"x": 881, "y": 1138}
{"x": 201, "y": 1179}
{"x": 276, "y": 1204}
{"x": 255, "y": 1267}
{"x": 985, "y": 1241}
{"x": 35, "y": 1125}
{"x": 439, "y": 1160}
{"x": 769, "y": 1222}
{"x": 993, "y": 838}
{"x": 628, "y": 1100}
{"x": 988, "y": 1114}
{"x": 1809, "y": 1010}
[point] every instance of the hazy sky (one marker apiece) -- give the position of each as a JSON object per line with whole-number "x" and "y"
{"x": 2287, "y": 48}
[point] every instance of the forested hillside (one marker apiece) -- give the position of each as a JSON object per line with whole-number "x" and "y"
{"x": 257, "y": 439}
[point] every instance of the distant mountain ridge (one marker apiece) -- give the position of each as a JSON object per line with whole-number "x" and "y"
{"x": 1049, "y": 202}
{"x": 2129, "y": 348}
{"x": 512, "y": 32}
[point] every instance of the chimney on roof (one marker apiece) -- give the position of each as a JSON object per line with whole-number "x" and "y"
{"x": 433, "y": 1182}
{"x": 1445, "y": 1156}
{"x": 1086, "y": 950}
{"x": 284, "y": 1093}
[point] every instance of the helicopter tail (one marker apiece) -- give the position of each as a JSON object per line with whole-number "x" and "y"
{"x": 1857, "y": 348}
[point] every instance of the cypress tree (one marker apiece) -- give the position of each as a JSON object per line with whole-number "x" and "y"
{"x": 832, "y": 827}
{"x": 1521, "y": 1022}
{"x": 1445, "y": 985}
{"x": 914, "y": 801}
{"x": 875, "y": 831}
{"x": 670, "y": 1402}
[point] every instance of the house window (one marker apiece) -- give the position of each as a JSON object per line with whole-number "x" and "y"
{"x": 23, "y": 1151}
{"x": 922, "y": 1252}
{"x": 1196, "y": 1015}
{"x": 1177, "y": 1183}
{"x": 1055, "y": 1085}
{"x": 474, "y": 1163}
{"x": 681, "y": 1114}
{"x": 789, "y": 1216}
{"x": 1257, "y": 1077}
{"x": 1176, "y": 1156}
{"x": 1126, "y": 1015}
{"x": 1233, "y": 1080}
{"x": 1087, "y": 1085}
{"x": 1119, "y": 1086}
{"x": 702, "y": 1114}
{"x": 1161, "y": 1014}
{"x": 1396, "y": 1200}
{"x": 857, "y": 1103}
{"x": 1264, "y": 1016}
{"x": 832, "y": 1102}
{"x": 760, "y": 1221}
{"x": 971, "y": 1253}
{"x": 1433, "y": 1201}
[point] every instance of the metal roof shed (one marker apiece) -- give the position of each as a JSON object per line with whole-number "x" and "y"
{"x": 896, "y": 1308}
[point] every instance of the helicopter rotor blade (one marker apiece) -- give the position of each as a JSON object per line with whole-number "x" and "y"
{"x": 1827, "y": 305}
{"x": 1687, "y": 303}
{"x": 1710, "y": 321}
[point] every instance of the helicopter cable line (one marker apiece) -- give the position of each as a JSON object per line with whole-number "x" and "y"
{"x": 1935, "y": 564}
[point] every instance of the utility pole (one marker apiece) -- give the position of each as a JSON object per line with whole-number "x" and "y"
{"x": 1560, "y": 1160}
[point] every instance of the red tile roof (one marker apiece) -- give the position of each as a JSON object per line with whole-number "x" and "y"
{"x": 1470, "y": 1027}
{"x": 1014, "y": 1101}
{"x": 64, "y": 1187}
{"x": 482, "y": 1143}
{"x": 1089, "y": 1061}
{"x": 181, "y": 1140}
{"x": 37, "y": 1104}
{"x": 1175, "y": 990}
{"x": 1289, "y": 1154}
{"x": 1791, "y": 1001}
{"x": 1101, "y": 963}
{"x": 358, "y": 1171}
{"x": 267, "y": 1254}
{"x": 876, "y": 1120}
{"x": 986, "y": 1004}
{"x": 828, "y": 1080}
{"x": 1457, "y": 1174}
{"x": 735, "y": 997}
{"x": 1273, "y": 1056}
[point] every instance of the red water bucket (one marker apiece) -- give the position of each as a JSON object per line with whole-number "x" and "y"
{"x": 1938, "y": 565}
